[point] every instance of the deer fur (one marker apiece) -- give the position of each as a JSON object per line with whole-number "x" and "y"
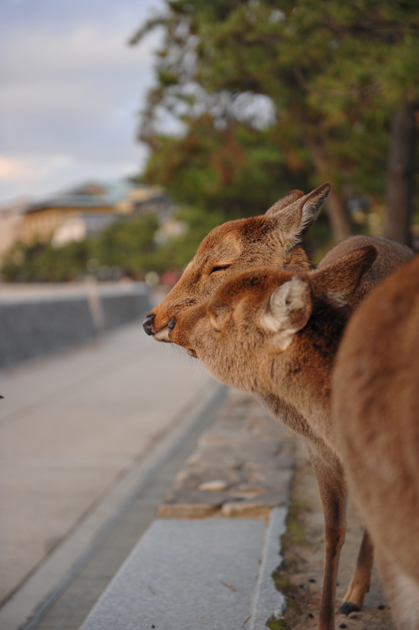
{"x": 274, "y": 240}
{"x": 271, "y": 239}
{"x": 275, "y": 334}
{"x": 376, "y": 415}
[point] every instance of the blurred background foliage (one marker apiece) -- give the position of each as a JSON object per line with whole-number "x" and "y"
{"x": 256, "y": 97}
{"x": 273, "y": 94}
{"x": 41, "y": 262}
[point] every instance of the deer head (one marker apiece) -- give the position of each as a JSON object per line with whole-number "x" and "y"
{"x": 255, "y": 317}
{"x": 272, "y": 239}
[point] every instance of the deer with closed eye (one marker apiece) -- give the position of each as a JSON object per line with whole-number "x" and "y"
{"x": 275, "y": 334}
{"x": 275, "y": 240}
{"x": 376, "y": 416}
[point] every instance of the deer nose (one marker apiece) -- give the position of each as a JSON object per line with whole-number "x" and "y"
{"x": 171, "y": 323}
{"x": 148, "y": 324}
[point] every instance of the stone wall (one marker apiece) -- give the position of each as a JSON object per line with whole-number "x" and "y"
{"x": 33, "y": 325}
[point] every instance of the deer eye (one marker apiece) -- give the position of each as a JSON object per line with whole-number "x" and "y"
{"x": 219, "y": 268}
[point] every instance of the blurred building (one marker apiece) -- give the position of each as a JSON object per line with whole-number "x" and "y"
{"x": 77, "y": 227}
{"x": 84, "y": 210}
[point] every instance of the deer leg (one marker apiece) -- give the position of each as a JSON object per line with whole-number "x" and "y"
{"x": 332, "y": 489}
{"x": 360, "y": 583}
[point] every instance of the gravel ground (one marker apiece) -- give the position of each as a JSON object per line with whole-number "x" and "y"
{"x": 300, "y": 576}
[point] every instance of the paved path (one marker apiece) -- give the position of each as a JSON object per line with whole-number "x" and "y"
{"x": 70, "y": 425}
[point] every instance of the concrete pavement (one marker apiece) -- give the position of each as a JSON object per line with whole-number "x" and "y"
{"x": 70, "y": 426}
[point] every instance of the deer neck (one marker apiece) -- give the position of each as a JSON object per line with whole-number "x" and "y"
{"x": 300, "y": 378}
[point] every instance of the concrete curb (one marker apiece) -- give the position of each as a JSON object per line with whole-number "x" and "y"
{"x": 268, "y": 602}
{"x": 184, "y": 574}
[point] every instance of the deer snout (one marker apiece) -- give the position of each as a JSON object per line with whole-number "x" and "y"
{"x": 179, "y": 337}
{"x": 148, "y": 324}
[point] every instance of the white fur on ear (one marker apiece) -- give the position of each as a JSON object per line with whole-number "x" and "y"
{"x": 340, "y": 298}
{"x": 288, "y": 310}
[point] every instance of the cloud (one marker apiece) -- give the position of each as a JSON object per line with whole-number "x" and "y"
{"x": 70, "y": 90}
{"x": 33, "y": 169}
{"x": 55, "y": 56}
{"x": 12, "y": 170}
{"x": 81, "y": 72}
{"x": 39, "y": 175}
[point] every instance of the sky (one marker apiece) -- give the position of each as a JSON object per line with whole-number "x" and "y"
{"x": 70, "y": 92}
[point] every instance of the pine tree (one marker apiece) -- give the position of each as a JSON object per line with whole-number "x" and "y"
{"x": 336, "y": 85}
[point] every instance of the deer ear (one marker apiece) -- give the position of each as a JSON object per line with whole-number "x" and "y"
{"x": 340, "y": 280}
{"x": 296, "y": 217}
{"x": 285, "y": 201}
{"x": 288, "y": 310}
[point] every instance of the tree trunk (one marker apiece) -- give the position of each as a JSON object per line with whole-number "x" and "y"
{"x": 339, "y": 219}
{"x": 400, "y": 174}
{"x": 338, "y": 215}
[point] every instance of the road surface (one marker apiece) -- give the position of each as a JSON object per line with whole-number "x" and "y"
{"x": 70, "y": 425}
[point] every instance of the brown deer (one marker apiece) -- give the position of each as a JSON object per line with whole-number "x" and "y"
{"x": 376, "y": 416}
{"x": 275, "y": 334}
{"x": 274, "y": 239}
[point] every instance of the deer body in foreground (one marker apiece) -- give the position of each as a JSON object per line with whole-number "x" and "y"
{"x": 376, "y": 414}
{"x": 274, "y": 240}
{"x": 275, "y": 334}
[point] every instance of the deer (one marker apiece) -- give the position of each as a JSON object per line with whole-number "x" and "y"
{"x": 375, "y": 408}
{"x": 275, "y": 334}
{"x": 275, "y": 239}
